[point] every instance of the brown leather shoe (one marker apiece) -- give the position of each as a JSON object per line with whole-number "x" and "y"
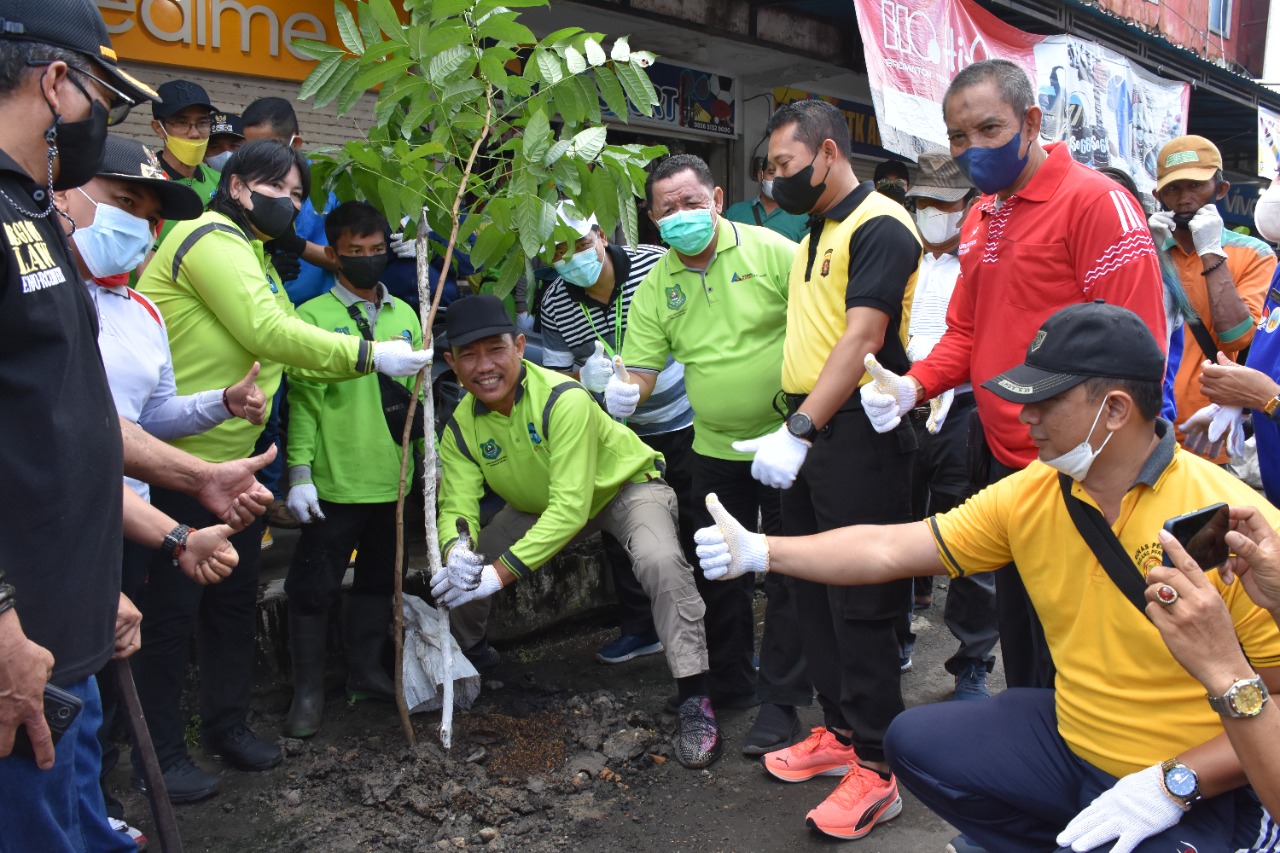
{"x": 278, "y": 515}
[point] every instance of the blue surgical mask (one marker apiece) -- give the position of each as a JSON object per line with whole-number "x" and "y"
{"x": 114, "y": 242}
{"x": 581, "y": 268}
{"x": 688, "y": 231}
{"x": 994, "y": 169}
{"x": 218, "y": 161}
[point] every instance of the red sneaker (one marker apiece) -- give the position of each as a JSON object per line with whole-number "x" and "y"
{"x": 859, "y": 802}
{"x": 820, "y": 754}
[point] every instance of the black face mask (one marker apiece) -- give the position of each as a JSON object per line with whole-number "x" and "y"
{"x": 80, "y": 147}
{"x": 272, "y": 216}
{"x": 898, "y": 194}
{"x": 1182, "y": 220}
{"x": 363, "y": 272}
{"x": 795, "y": 194}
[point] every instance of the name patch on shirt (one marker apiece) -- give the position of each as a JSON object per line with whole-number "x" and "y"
{"x": 35, "y": 262}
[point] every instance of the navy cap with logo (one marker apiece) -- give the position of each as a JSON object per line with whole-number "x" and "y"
{"x": 476, "y": 317}
{"x": 131, "y": 161}
{"x": 1077, "y": 343}
{"x": 74, "y": 25}
{"x": 177, "y": 95}
{"x": 226, "y": 124}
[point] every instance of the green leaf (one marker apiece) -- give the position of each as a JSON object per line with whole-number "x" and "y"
{"x": 621, "y": 51}
{"x": 556, "y": 151}
{"x": 560, "y": 35}
{"x": 381, "y": 72}
{"x": 337, "y": 82}
{"x": 565, "y": 171}
{"x": 492, "y": 241}
{"x": 503, "y": 27}
{"x": 489, "y": 5}
{"x": 535, "y": 220}
{"x": 441, "y": 9}
{"x": 603, "y": 195}
{"x": 549, "y": 66}
{"x": 445, "y": 35}
{"x": 507, "y": 277}
{"x": 443, "y": 65}
{"x": 638, "y": 88}
{"x": 587, "y": 143}
{"x": 347, "y": 28}
{"x": 462, "y": 90}
{"x": 614, "y": 98}
{"x": 316, "y": 49}
{"x": 588, "y": 96}
{"x": 537, "y": 138}
{"x": 368, "y": 24}
{"x": 576, "y": 62}
{"x": 348, "y": 98}
{"x": 595, "y": 53}
{"x": 493, "y": 69}
{"x": 568, "y": 103}
{"x": 388, "y": 21}
{"x": 628, "y": 214}
{"x": 643, "y": 59}
{"x": 319, "y": 76}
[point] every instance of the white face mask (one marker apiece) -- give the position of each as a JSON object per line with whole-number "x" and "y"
{"x": 766, "y": 189}
{"x": 1266, "y": 215}
{"x": 937, "y": 226}
{"x": 114, "y": 242}
{"x": 218, "y": 161}
{"x": 1075, "y": 463}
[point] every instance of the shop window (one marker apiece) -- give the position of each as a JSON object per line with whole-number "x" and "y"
{"x": 1220, "y": 17}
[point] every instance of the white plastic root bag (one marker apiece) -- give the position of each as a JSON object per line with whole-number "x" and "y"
{"x": 423, "y": 674}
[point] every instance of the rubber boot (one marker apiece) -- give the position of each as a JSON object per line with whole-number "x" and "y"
{"x": 307, "y": 635}
{"x": 365, "y": 637}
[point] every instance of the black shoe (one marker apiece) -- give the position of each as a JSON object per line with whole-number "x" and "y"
{"x": 483, "y": 656}
{"x": 738, "y": 702}
{"x": 184, "y": 782}
{"x": 243, "y": 750}
{"x": 776, "y": 726}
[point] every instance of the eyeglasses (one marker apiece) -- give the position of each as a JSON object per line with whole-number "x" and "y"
{"x": 200, "y": 124}
{"x": 900, "y": 183}
{"x": 120, "y": 105}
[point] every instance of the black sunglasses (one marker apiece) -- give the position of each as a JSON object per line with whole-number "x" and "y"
{"x": 119, "y": 107}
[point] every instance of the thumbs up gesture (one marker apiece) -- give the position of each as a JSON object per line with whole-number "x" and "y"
{"x": 887, "y": 398}
{"x": 596, "y": 371}
{"x": 620, "y": 396}
{"x": 245, "y": 399}
{"x": 726, "y": 549}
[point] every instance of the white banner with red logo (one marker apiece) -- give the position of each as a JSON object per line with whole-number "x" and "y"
{"x": 1268, "y": 143}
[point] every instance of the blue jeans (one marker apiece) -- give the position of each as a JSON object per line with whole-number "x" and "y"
{"x": 61, "y": 809}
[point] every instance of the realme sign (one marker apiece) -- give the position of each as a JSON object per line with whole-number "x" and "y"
{"x": 219, "y": 35}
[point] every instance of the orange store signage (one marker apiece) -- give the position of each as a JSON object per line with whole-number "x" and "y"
{"x": 220, "y": 35}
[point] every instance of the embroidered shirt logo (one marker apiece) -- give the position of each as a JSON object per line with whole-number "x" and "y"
{"x": 533, "y": 434}
{"x": 36, "y": 267}
{"x": 1148, "y": 556}
{"x": 490, "y": 450}
{"x": 826, "y": 263}
{"x": 342, "y": 330}
{"x": 675, "y": 297}
{"x": 738, "y": 277}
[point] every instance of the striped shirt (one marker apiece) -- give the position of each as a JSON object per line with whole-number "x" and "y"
{"x": 569, "y": 337}
{"x": 934, "y": 286}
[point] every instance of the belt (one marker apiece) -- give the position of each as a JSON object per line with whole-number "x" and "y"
{"x": 795, "y": 401}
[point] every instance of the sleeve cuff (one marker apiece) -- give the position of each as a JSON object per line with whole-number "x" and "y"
{"x": 1238, "y": 331}
{"x": 299, "y": 474}
{"x": 364, "y": 357}
{"x": 514, "y": 565}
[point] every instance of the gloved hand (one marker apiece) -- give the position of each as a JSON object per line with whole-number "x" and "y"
{"x": 1131, "y": 811}
{"x": 727, "y": 550}
{"x": 288, "y": 265}
{"x": 778, "y": 457}
{"x": 620, "y": 396}
{"x": 919, "y": 346}
{"x": 596, "y": 371}
{"x": 404, "y": 249}
{"x": 397, "y": 358}
{"x": 464, "y": 566}
{"x": 888, "y": 398}
{"x": 939, "y": 406}
{"x": 1209, "y": 428}
{"x": 1206, "y": 231}
{"x": 304, "y": 503}
{"x": 1161, "y": 224}
{"x": 524, "y": 321}
{"x": 447, "y": 593}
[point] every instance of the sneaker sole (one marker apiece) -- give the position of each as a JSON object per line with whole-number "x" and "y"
{"x": 243, "y": 766}
{"x": 640, "y": 652}
{"x": 888, "y": 813}
{"x": 808, "y": 773}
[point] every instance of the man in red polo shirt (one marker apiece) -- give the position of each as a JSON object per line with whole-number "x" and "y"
{"x": 1048, "y": 232}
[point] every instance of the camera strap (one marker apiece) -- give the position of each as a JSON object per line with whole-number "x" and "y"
{"x": 1204, "y": 340}
{"x": 1101, "y": 539}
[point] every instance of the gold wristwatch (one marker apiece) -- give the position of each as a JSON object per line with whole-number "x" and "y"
{"x": 1272, "y": 406}
{"x": 1245, "y": 698}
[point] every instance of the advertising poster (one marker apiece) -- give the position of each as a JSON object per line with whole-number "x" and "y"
{"x": 1268, "y": 143}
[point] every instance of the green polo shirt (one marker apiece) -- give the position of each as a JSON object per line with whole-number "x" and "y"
{"x": 204, "y": 181}
{"x": 558, "y": 455}
{"x": 789, "y": 225}
{"x": 726, "y": 325}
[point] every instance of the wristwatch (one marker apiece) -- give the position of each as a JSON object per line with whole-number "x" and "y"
{"x": 1180, "y": 782}
{"x": 801, "y": 426}
{"x": 1272, "y": 408}
{"x": 1245, "y": 698}
{"x": 175, "y": 542}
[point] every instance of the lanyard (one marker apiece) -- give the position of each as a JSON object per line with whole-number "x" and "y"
{"x": 617, "y": 326}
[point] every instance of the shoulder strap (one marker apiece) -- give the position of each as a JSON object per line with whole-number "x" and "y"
{"x": 194, "y": 237}
{"x": 755, "y": 211}
{"x": 551, "y": 401}
{"x": 1101, "y": 539}
{"x": 453, "y": 426}
{"x": 1204, "y": 339}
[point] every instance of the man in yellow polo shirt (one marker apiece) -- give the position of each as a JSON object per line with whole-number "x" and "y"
{"x": 1126, "y": 749}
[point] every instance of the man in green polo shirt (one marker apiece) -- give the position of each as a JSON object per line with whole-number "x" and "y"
{"x": 182, "y": 122}
{"x": 717, "y": 302}
{"x": 566, "y": 470}
{"x": 764, "y": 211}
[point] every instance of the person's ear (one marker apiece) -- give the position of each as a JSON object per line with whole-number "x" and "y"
{"x": 331, "y": 255}
{"x": 50, "y": 83}
{"x": 1223, "y": 186}
{"x": 448, "y": 358}
{"x": 520, "y": 341}
{"x": 157, "y": 128}
{"x": 1031, "y": 124}
{"x": 1120, "y": 410}
{"x": 717, "y": 199}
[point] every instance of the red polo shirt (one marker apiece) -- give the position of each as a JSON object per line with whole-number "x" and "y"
{"x": 1070, "y": 235}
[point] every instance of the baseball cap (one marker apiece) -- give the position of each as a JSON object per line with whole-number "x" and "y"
{"x": 939, "y": 178}
{"x": 1077, "y": 343}
{"x": 1187, "y": 158}
{"x": 475, "y": 317}
{"x": 131, "y": 161}
{"x": 890, "y": 168}
{"x": 567, "y": 212}
{"x": 177, "y": 95}
{"x": 74, "y": 25}
{"x": 226, "y": 124}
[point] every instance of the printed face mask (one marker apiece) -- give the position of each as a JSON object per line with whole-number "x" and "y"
{"x": 994, "y": 169}
{"x": 115, "y": 242}
{"x": 937, "y": 226}
{"x": 1077, "y": 461}
{"x": 582, "y": 268}
{"x": 688, "y": 231}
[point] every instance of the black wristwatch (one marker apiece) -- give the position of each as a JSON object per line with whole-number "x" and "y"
{"x": 6, "y": 597}
{"x": 175, "y": 542}
{"x": 801, "y": 426}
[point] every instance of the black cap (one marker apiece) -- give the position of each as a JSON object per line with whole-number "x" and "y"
{"x": 1077, "y": 343}
{"x": 75, "y": 25}
{"x": 177, "y": 95}
{"x": 890, "y": 167}
{"x": 129, "y": 160}
{"x": 476, "y": 317}
{"x": 225, "y": 124}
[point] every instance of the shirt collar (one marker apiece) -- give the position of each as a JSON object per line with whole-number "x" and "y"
{"x": 8, "y": 164}
{"x": 724, "y": 230}
{"x": 1046, "y": 179}
{"x": 480, "y": 409}
{"x": 347, "y": 298}
{"x": 197, "y": 176}
{"x": 845, "y": 206}
{"x": 1160, "y": 457}
{"x": 621, "y": 274}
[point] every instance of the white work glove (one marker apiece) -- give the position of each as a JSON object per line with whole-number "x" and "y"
{"x": 1206, "y": 231}
{"x": 939, "y": 406}
{"x": 1161, "y": 224}
{"x": 778, "y": 457}
{"x": 398, "y": 358}
{"x": 447, "y": 593}
{"x": 524, "y": 321}
{"x": 464, "y": 566}
{"x": 402, "y": 248}
{"x": 596, "y": 371}
{"x": 304, "y": 503}
{"x": 886, "y": 399}
{"x": 1131, "y": 811}
{"x": 620, "y": 396}
{"x": 1208, "y": 429}
{"x": 726, "y": 549}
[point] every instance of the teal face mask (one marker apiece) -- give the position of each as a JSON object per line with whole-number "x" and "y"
{"x": 688, "y": 231}
{"x": 582, "y": 268}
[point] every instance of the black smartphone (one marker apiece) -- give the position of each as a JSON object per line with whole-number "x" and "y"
{"x": 60, "y": 709}
{"x": 1203, "y": 534}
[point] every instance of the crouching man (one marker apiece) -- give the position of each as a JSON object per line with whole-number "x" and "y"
{"x": 1126, "y": 750}
{"x": 566, "y": 470}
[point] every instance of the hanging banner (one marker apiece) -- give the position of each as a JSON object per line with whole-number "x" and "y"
{"x": 1268, "y": 143}
{"x": 864, "y": 129}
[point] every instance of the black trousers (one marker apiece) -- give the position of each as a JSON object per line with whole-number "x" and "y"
{"x": 853, "y": 475}
{"x": 222, "y": 617}
{"x": 314, "y": 581}
{"x": 783, "y": 677}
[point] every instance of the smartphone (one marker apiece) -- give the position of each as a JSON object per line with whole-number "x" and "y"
{"x": 60, "y": 709}
{"x": 1203, "y": 534}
